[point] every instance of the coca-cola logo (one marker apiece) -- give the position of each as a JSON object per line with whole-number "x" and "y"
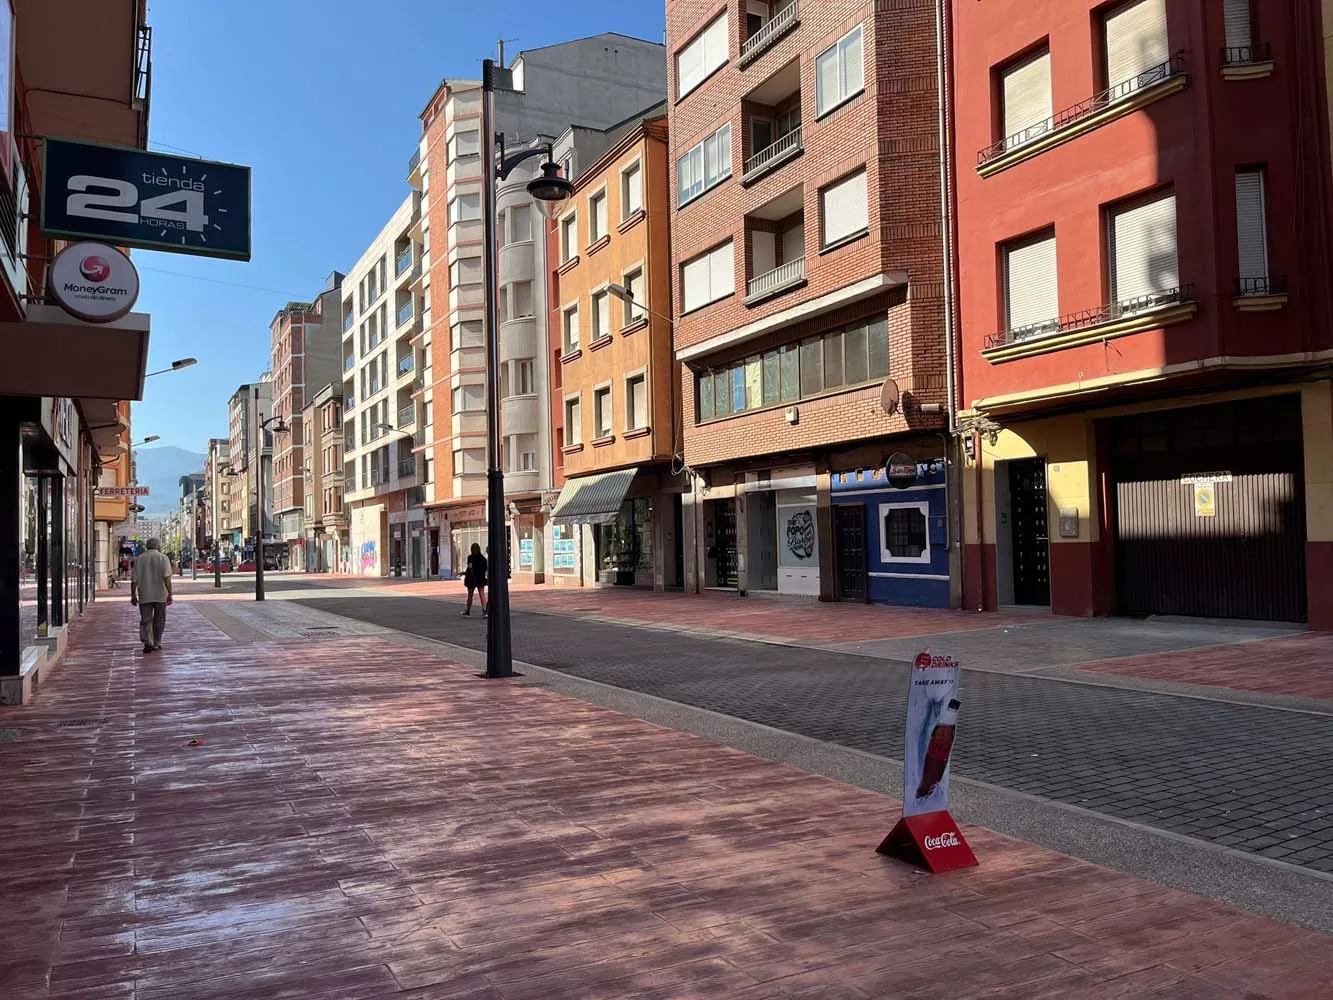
{"x": 949, "y": 839}
{"x": 95, "y": 269}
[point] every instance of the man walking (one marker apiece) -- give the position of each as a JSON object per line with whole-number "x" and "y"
{"x": 150, "y": 590}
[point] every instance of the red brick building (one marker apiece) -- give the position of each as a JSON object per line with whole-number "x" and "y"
{"x": 1143, "y": 217}
{"x": 807, "y": 268}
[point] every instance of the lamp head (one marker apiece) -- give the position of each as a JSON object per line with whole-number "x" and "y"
{"x": 621, "y": 292}
{"x": 183, "y": 363}
{"x": 550, "y": 190}
{"x": 151, "y": 438}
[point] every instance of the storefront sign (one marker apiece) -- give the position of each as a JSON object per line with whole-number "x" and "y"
{"x": 131, "y": 197}
{"x": 122, "y": 491}
{"x": 95, "y": 282}
{"x": 1206, "y": 478}
{"x": 927, "y": 834}
{"x": 901, "y": 470}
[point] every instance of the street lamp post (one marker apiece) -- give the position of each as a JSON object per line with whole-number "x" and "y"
{"x": 547, "y": 190}
{"x": 279, "y": 425}
{"x": 217, "y": 541}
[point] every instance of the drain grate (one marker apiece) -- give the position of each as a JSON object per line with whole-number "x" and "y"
{"x": 321, "y": 632}
{"x": 8, "y": 735}
{"x": 81, "y": 723}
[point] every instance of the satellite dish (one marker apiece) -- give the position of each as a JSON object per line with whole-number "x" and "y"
{"x": 889, "y": 396}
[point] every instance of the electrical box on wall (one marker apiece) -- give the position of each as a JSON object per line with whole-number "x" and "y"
{"x": 792, "y": 415}
{"x": 1068, "y": 522}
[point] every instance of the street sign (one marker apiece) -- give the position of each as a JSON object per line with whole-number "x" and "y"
{"x": 122, "y": 491}
{"x": 94, "y": 282}
{"x": 131, "y": 197}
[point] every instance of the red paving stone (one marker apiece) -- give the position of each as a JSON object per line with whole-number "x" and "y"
{"x": 365, "y": 820}
{"x": 1299, "y": 665}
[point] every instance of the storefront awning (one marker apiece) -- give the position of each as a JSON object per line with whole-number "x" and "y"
{"x": 593, "y": 499}
{"x": 54, "y": 354}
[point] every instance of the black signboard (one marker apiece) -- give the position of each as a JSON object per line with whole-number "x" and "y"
{"x": 131, "y": 197}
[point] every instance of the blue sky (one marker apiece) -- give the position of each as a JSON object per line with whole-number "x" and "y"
{"x": 320, "y": 99}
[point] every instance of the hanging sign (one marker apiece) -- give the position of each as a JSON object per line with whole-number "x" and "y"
{"x": 927, "y": 835}
{"x": 94, "y": 282}
{"x": 137, "y": 198}
{"x": 901, "y": 470}
{"x": 122, "y": 491}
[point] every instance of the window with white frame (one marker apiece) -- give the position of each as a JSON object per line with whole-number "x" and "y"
{"x": 573, "y": 421}
{"x": 1144, "y": 267}
{"x": 569, "y": 237}
{"x": 570, "y": 333}
{"x": 520, "y": 299}
{"x": 839, "y": 72}
{"x": 465, "y": 144}
{"x": 520, "y": 453}
{"x": 467, "y": 333}
{"x": 601, "y": 314}
{"x": 905, "y": 533}
{"x": 1031, "y": 290}
{"x": 601, "y": 412}
{"x": 464, "y": 208}
{"x": 634, "y": 308}
{"x": 469, "y": 462}
{"x": 1026, "y": 99}
{"x": 844, "y": 207}
{"x": 636, "y": 401}
{"x": 598, "y": 222}
{"x": 709, "y": 277}
{"x": 518, "y": 378}
{"x": 702, "y": 56}
{"x": 1252, "y": 231}
{"x": 704, "y": 166}
{"x": 518, "y": 224}
{"x": 1137, "y": 47}
{"x": 631, "y": 190}
{"x": 469, "y": 398}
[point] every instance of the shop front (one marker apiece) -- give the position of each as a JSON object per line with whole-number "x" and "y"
{"x": 528, "y": 526}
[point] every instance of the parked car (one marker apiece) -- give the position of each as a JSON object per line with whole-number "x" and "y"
{"x": 208, "y": 566}
{"x": 246, "y": 566}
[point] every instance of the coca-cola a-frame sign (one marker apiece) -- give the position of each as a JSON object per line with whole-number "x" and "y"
{"x": 927, "y": 835}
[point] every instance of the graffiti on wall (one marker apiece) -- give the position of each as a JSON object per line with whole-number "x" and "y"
{"x": 369, "y": 558}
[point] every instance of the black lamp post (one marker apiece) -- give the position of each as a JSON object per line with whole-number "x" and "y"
{"x": 548, "y": 190}
{"x": 279, "y": 426}
{"x": 217, "y": 541}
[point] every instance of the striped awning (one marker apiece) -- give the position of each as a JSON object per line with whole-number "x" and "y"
{"x": 593, "y": 499}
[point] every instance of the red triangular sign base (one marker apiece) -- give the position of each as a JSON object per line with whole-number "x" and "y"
{"x": 931, "y": 841}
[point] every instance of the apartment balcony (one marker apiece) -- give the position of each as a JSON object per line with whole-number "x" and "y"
{"x": 782, "y": 150}
{"x": 405, "y": 312}
{"x": 1243, "y": 62}
{"x": 403, "y": 264}
{"x": 769, "y": 33}
{"x": 1261, "y": 294}
{"x": 521, "y": 414}
{"x": 781, "y": 279}
{"x": 414, "y": 169}
{"x": 407, "y": 416}
{"x": 406, "y": 365}
{"x": 349, "y": 363}
{"x": 349, "y": 322}
{"x": 407, "y": 467}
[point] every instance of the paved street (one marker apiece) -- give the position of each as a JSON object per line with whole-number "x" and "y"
{"x": 1253, "y": 778}
{"x": 353, "y": 818}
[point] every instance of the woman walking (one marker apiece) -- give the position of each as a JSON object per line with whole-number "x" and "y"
{"x": 474, "y": 578}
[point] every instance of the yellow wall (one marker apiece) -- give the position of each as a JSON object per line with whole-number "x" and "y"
{"x": 1317, "y": 416}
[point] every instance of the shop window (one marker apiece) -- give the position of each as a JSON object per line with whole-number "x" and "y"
{"x": 904, "y": 537}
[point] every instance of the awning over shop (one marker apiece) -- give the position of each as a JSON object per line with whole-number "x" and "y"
{"x": 593, "y": 499}
{"x": 54, "y": 354}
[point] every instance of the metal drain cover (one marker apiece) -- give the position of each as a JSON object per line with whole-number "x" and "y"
{"x": 81, "y": 723}
{"x": 321, "y": 632}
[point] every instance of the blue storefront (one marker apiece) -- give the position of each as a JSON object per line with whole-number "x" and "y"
{"x": 891, "y": 534}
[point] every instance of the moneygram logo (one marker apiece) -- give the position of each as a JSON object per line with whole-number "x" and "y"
{"x": 943, "y": 840}
{"x": 95, "y": 269}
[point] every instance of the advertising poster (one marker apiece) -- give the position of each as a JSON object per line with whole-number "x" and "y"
{"x": 526, "y": 554}
{"x": 932, "y": 721}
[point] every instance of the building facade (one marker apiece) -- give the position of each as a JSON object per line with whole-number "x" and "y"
{"x": 325, "y": 519}
{"x": 810, "y": 298}
{"x": 306, "y": 339}
{"x": 217, "y": 494}
{"x": 540, "y": 93}
{"x": 615, "y": 396}
{"x": 250, "y": 407}
{"x": 1146, "y": 349}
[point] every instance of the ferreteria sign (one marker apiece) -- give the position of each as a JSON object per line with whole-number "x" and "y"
{"x": 131, "y": 197}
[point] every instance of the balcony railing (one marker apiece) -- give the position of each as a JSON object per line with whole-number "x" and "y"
{"x": 1173, "y": 67}
{"x": 349, "y": 362}
{"x": 772, "y": 156}
{"x": 404, "y": 262}
{"x": 406, "y": 363}
{"x": 407, "y": 416}
{"x": 349, "y": 321}
{"x": 774, "y": 281}
{"x": 349, "y": 403}
{"x": 1086, "y": 318}
{"x": 407, "y": 467}
{"x": 781, "y": 22}
{"x": 1274, "y": 284}
{"x": 1247, "y": 55}
{"x": 413, "y": 162}
{"x": 405, "y": 313}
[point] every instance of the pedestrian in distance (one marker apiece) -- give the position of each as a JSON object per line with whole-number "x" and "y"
{"x": 474, "y": 578}
{"x": 150, "y": 591}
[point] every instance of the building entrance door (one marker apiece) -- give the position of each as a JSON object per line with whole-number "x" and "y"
{"x": 723, "y": 549}
{"x": 849, "y": 529}
{"x": 1030, "y": 538}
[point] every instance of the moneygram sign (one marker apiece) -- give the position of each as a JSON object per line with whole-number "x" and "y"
{"x": 131, "y": 197}
{"x": 95, "y": 282}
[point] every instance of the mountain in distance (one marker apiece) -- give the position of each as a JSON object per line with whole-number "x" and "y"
{"x": 160, "y": 469}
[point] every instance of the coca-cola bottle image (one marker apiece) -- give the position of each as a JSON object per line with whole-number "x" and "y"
{"x": 938, "y": 749}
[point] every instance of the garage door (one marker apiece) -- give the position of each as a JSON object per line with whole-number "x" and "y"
{"x": 1209, "y": 511}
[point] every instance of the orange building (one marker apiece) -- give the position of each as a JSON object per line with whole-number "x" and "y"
{"x": 615, "y": 384}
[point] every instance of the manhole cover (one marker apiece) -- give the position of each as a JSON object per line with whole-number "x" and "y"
{"x": 321, "y": 632}
{"x": 8, "y": 735}
{"x": 80, "y": 723}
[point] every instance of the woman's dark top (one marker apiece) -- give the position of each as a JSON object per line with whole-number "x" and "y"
{"x": 475, "y": 574}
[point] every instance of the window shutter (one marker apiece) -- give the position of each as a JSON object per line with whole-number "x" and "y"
{"x": 845, "y": 208}
{"x": 1143, "y": 240}
{"x": 706, "y": 53}
{"x": 1027, "y": 96}
{"x": 722, "y": 271}
{"x": 1236, "y": 15}
{"x": 1251, "y": 225}
{"x": 1136, "y": 40}
{"x": 695, "y": 282}
{"x": 1031, "y": 288}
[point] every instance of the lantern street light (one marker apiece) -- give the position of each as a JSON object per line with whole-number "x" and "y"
{"x": 548, "y": 190}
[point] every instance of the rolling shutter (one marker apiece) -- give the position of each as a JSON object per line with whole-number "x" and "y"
{"x": 1236, "y": 14}
{"x": 1251, "y": 226}
{"x": 1031, "y": 288}
{"x": 1027, "y": 96}
{"x": 722, "y": 272}
{"x": 1136, "y": 41}
{"x": 694, "y": 281}
{"x": 1143, "y": 245}
{"x": 844, "y": 208}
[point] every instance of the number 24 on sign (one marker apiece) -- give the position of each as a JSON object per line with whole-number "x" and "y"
{"x": 87, "y": 202}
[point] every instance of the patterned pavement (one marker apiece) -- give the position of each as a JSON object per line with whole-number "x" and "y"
{"x": 358, "y": 819}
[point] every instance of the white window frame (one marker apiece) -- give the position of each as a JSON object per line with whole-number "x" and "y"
{"x": 688, "y": 164}
{"x": 825, "y": 241}
{"x": 847, "y": 91}
{"x": 885, "y": 555}
{"x": 641, "y": 375}
{"x": 455, "y": 213}
{"x": 634, "y": 312}
{"x": 569, "y": 236}
{"x": 575, "y": 439}
{"x": 454, "y": 143}
{"x": 630, "y": 168}
{"x": 713, "y": 295}
{"x": 598, "y": 199}
{"x": 569, "y": 345}
{"x": 712, "y": 44}
{"x": 516, "y": 212}
{"x": 603, "y": 391}
{"x": 600, "y": 330}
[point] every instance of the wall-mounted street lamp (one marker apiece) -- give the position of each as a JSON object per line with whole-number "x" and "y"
{"x": 549, "y": 190}
{"x": 175, "y": 366}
